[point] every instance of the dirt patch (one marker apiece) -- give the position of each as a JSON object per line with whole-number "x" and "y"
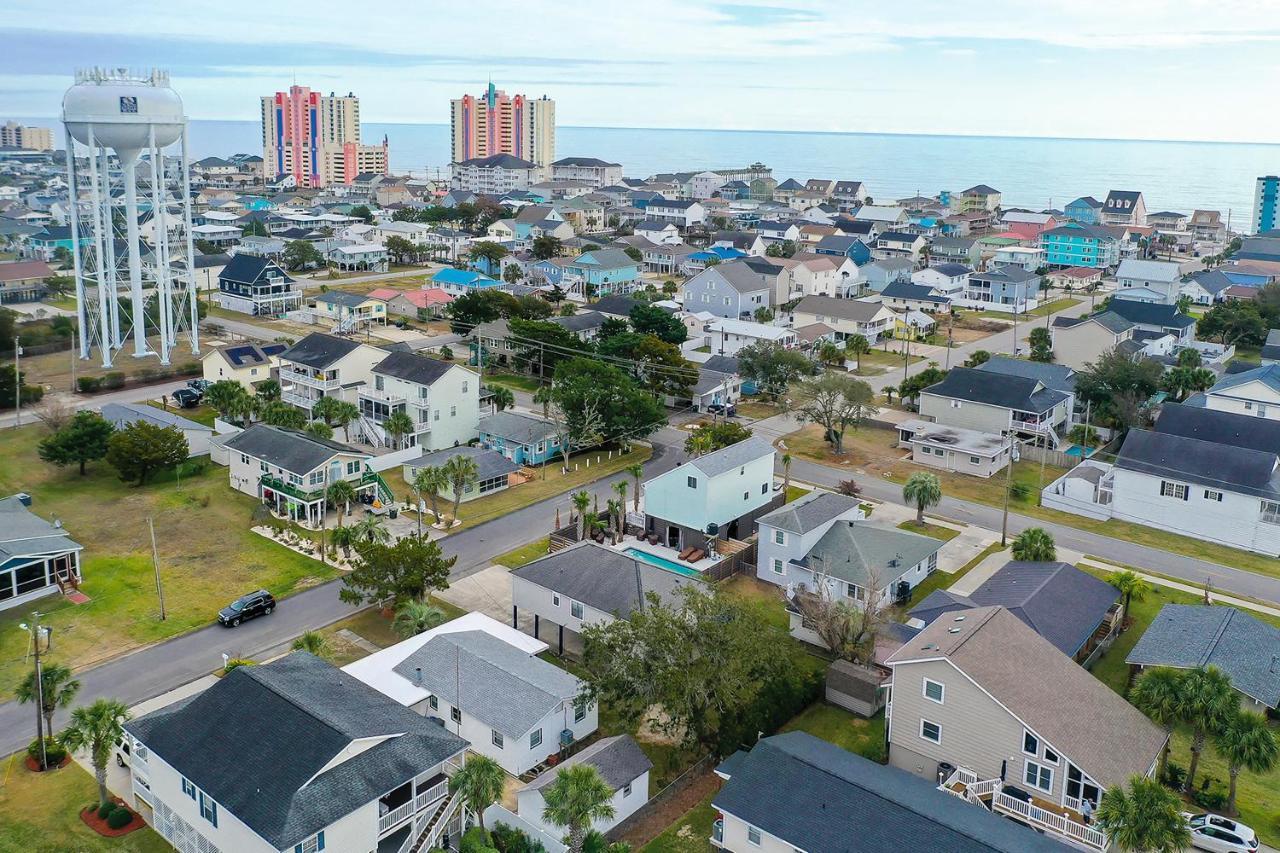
{"x": 656, "y": 820}
{"x": 979, "y": 324}
{"x": 652, "y": 729}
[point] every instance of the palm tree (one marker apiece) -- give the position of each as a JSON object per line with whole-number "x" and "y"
{"x": 786, "y": 474}
{"x": 479, "y": 783}
{"x": 463, "y": 474}
{"x": 398, "y": 425}
{"x": 370, "y": 529}
{"x": 415, "y": 617}
{"x": 1208, "y": 703}
{"x": 1246, "y": 742}
{"x": 924, "y": 490}
{"x": 313, "y": 642}
{"x": 430, "y": 481}
{"x": 502, "y": 397}
{"x": 268, "y": 389}
{"x": 1131, "y": 586}
{"x": 319, "y": 429}
{"x": 581, "y": 500}
{"x": 96, "y": 728}
{"x": 224, "y": 395}
{"x": 325, "y": 409}
{"x": 339, "y": 495}
{"x": 1157, "y": 693}
{"x": 636, "y": 471}
{"x": 578, "y": 797}
{"x": 1146, "y": 818}
{"x": 344, "y": 538}
{"x": 621, "y": 488}
{"x": 830, "y": 353}
{"x": 343, "y": 415}
{"x": 857, "y": 346}
{"x": 543, "y": 398}
{"x": 1034, "y": 545}
{"x": 56, "y": 685}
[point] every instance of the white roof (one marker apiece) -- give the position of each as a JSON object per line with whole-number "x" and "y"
{"x": 875, "y": 213}
{"x": 1148, "y": 270}
{"x": 215, "y": 229}
{"x": 1025, "y": 216}
{"x": 220, "y": 215}
{"x": 360, "y": 248}
{"x": 748, "y": 329}
{"x": 377, "y": 670}
{"x": 1019, "y": 250}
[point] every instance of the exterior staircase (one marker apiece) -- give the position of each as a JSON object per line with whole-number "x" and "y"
{"x": 425, "y": 836}
{"x": 384, "y": 491}
{"x": 373, "y": 433}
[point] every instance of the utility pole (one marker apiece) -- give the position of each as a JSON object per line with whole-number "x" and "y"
{"x": 34, "y": 628}
{"x": 155, "y": 565}
{"x": 74, "y": 330}
{"x": 17, "y": 382}
{"x": 1008, "y": 482}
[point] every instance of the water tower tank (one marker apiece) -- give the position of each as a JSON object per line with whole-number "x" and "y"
{"x": 123, "y": 108}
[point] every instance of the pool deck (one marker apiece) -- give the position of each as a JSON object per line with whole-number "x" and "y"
{"x": 668, "y": 554}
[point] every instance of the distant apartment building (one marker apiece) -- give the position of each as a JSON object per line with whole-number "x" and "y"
{"x": 14, "y": 135}
{"x": 316, "y": 138}
{"x": 1264, "y": 203}
{"x": 591, "y": 170}
{"x": 497, "y": 174}
{"x": 498, "y": 123}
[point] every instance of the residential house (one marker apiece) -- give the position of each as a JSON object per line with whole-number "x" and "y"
{"x": 881, "y": 217}
{"x": 197, "y": 435}
{"x": 495, "y": 175}
{"x": 256, "y": 285}
{"x": 1027, "y": 223}
{"x": 602, "y": 272}
{"x": 449, "y": 243}
{"x": 414, "y": 304}
{"x": 1028, "y": 258}
{"x": 980, "y": 198}
{"x": 1155, "y": 319}
{"x": 493, "y": 471}
{"x": 1081, "y": 341}
{"x": 952, "y": 448}
{"x": 1076, "y": 612}
{"x": 618, "y": 760}
{"x": 587, "y": 584}
{"x": 1056, "y": 377}
{"x": 441, "y": 398}
{"x": 848, "y": 195}
{"x": 899, "y": 244}
{"x": 485, "y": 683}
{"x": 727, "y": 337}
{"x": 846, "y": 317}
{"x": 23, "y": 281}
{"x": 1242, "y": 646}
{"x": 775, "y": 230}
{"x": 1124, "y": 207}
{"x": 291, "y": 471}
{"x": 904, "y": 296}
{"x": 998, "y": 404}
{"x": 1032, "y": 720}
{"x": 322, "y": 365}
{"x": 335, "y": 765}
{"x": 954, "y": 250}
{"x": 747, "y": 242}
{"x": 1167, "y": 220}
{"x": 523, "y": 439}
{"x": 1148, "y": 281}
{"x": 735, "y": 289}
{"x": 1075, "y": 245}
{"x": 1205, "y": 287}
{"x": 45, "y": 244}
{"x": 349, "y": 312}
{"x": 880, "y": 274}
{"x": 247, "y": 364}
{"x": 791, "y": 531}
{"x": 37, "y": 557}
{"x": 1207, "y": 225}
{"x": 1086, "y": 210}
{"x": 457, "y": 282}
{"x": 795, "y": 791}
{"x": 715, "y": 496}
{"x": 1075, "y": 278}
{"x": 1255, "y": 393}
{"x": 1009, "y": 288}
{"x": 719, "y": 384}
{"x": 843, "y": 246}
{"x": 683, "y": 212}
{"x": 358, "y": 257}
{"x": 1271, "y": 348}
{"x": 1199, "y": 472}
{"x": 947, "y": 279}
{"x": 658, "y": 231}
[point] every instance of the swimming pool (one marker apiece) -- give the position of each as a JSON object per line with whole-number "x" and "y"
{"x": 662, "y": 563}
{"x": 1077, "y": 450}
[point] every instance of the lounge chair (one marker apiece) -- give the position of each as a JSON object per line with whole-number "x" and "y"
{"x": 684, "y": 555}
{"x": 697, "y": 555}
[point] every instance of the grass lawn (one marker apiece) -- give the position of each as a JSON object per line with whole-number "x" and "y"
{"x": 208, "y": 555}
{"x": 40, "y": 812}
{"x": 54, "y": 368}
{"x": 517, "y": 557}
{"x": 66, "y": 303}
{"x": 795, "y": 493}
{"x": 374, "y": 627}
{"x": 942, "y": 580}
{"x": 877, "y": 361}
{"x": 1047, "y": 308}
{"x": 843, "y": 728}
{"x": 937, "y": 531}
{"x": 514, "y": 381}
{"x": 690, "y": 834}
{"x": 201, "y": 414}
{"x": 756, "y": 410}
{"x": 766, "y": 598}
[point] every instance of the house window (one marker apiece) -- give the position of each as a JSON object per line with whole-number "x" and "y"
{"x": 693, "y": 482}
{"x": 1030, "y": 743}
{"x": 576, "y": 609}
{"x": 464, "y": 387}
{"x": 265, "y": 468}
{"x": 955, "y": 404}
{"x": 779, "y": 537}
{"x": 746, "y": 496}
{"x": 579, "y": 711}
{"x": 455, "y": 714}
{"x": 314, "y": 844}
{"x": 753, "y": 835}
{"x": 453, "y": 411}
{"x": 1050, "y": 756}
{"x": 626, "y": 790}
{"x": 433, "y": 703}
{"x": 435, "y": 416}
{"x": 931, "y": 731}
{"x": 535, "y": 738}
{"x": 1178, "y": 491}
{"x": 777, "y": 567}
{"x": 316, "y": 478}
{"x": 244, "y": 459}
{"x": 1213, "y": 495}
{"x": 353, "y": 467}
{"x": 764, "y": 488}
{"x": 933, "y": 690}
{"x": 496, "y": 737}
{"x": 1270, "y": 512}
{"x": 855, "y": 592}
{"x": 555, "y": 599}
{"x": 973, "y": 460}
{"x": 208, "y": 809}
{"x": 188, "y": 788}
{"x": 1039, "y": 776}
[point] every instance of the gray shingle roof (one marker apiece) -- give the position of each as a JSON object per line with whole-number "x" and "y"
{"x": 734, "y": 456}
{"x": 601, "y": 578}
{"x": 290, "y": 449}
{"x": 504, "y": 687}
{"x": 816, "y": 796}
{"x": 23, "y": 533}
{"x": 1268, "y": 374}
{"x": 809, "y": 512}
{"x": 489, "y": 463}
{"x": 1244, "y": 647}
{"x": 859, "y": 551}
{"x": 258, "y": 739}
{"x": 1218, "y": 466}
{"x": 843, "y": 309}
{"x": 741, "y": 276}
{"x": 123, "y": 414}
{"x": 907, "y": 290}
{"x": 583, "y": 322}
{"x": 516, "y": 427}
{"x": 318, "y": 350}
{"x": 1219, "y": 427}
{"x": 618, "y": 759}
{"x": 413, "y": 367}
{"x": 1059, "y": 377}
{"x": 951, "y": 270}
{"x": 1150, "y": 314}
{"x": 341, "y": 297}
{"x": 994, "y": 389}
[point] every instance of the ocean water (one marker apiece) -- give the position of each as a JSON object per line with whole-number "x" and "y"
{"x": 1031, "y": 172}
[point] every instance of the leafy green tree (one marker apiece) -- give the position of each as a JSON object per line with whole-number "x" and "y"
{"x": 1131, "y": 586}
{"x": 1034, "y": 545}
{"x": 463, "y": 474}
{"x": 978, "y": 358}
{"x": 836, "y": 403}
{"x": 772, "y": 366}
{"x": 141, "y": 449}
{"x": 541, "y": 344}
{"x": 512, "y": 273}
{"x": 910, "y": 388}
{"x": 96, "y": 728}
{"x": 546, "y": 246}
{"x": 479, "y": 783}
{"x": 634, "y": 254}
{"x": 319, "y": 429}
{"x": 1208, "y": 703}
{"x": 857, "y": 346}
{"x": 595, "y": 399}
{"x": 663, "y": 368}
{"x": 281, "y": 414}
{"x": 403, "y": 250}
{"x": 58, "y": 687}
{"x": 1158, "y": 694}
{"x": 343, "y": 415}
{"x": 708, "y": 438}
{"x": 1246, "y": 742}
{"x": 529, "y": 308}
{"x": 301, "y": 254}
{"x": 924, "y": 490}
{"x": 83, "y": 440}
{"x": 363, "y": 213}
{"x": 489, "y": 252}
{"x": 832, "y": 354}
{"x": 315, "y": 643}
{"x": 1233, "y": 323}
{"x": 390, "y": 574}
{"x": 416, "y": 617}
{"x": 1117, "y": 388}
{"x": 651, "y": 320}
{"x": 267, "y": 390}
{"x": 1041, "y": 344}
{"x": 577, "y": 798}
{"x": 9, "y": 382}
{"x": 225, "y": 395}
{"x": 502, "y": 397}
{"x": 1183, "y": 381}
{"x": 1146, "y": 818}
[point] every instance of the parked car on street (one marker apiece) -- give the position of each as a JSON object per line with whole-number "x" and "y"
{"x": 1220, "y": 834}
{"x": 258, "y": 603}
{"x": 200, "y": 386}
{"x": 186, "y": 398}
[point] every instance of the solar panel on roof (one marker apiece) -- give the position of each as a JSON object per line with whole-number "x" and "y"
{"x": 237, "y": 355}
{"x": 274, "y": 349}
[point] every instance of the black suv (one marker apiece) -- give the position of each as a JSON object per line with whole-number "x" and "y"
{"x": 258, "y": 603}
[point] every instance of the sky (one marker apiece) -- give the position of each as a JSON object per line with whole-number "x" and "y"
{"x": 1126, "y": 69}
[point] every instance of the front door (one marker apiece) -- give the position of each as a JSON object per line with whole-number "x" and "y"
{"x": 673, "y": 537}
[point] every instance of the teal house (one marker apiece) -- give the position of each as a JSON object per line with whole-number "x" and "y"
{"x": 461, "y": 282}
{"x": 49, "y": 241}
{"x": 1076, "y": 245}
{"x": 603, "y": 272}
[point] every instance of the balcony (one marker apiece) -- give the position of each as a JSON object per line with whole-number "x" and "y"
{"x": 1040, "y": 814}
{"x": 380, "y": 396}
{"x": 409, "y": 799}
{"x": 321, "y": 383}
{"x": 275, "y": 484}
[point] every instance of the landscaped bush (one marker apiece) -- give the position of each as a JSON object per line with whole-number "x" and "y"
{"x": 850, "y": 488}
{"x": 105, "y": 810}
{"x": 474, "y": 841}
{"x": 52, "y": 749}
{"x": 1212, "y": 794}
{"x": 1174, "y": 776}
{"x": 119, "y": 817}
{"x": 237, "y": 662}
{"x": 779, "y": 700}
{"x": 89, "y": 384}
{"x": 1019, "y": 491}
{"x": 189, "y": 368}
{"x": 113, "y": 381}
{"x": 508, "y": 839}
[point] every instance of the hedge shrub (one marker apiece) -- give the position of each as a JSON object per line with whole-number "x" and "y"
{"x": 119, "y": 817}
{"x": 113, "y": 381}
{"x": 105, "y": 810}
{"x": 52, "y": 749}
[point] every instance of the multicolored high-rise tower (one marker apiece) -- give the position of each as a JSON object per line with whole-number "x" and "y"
{"x": 497, "y": 123}
{"x": 316, "y": 138}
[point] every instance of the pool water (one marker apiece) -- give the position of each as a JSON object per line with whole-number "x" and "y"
{"x": 662, "y": 563}
{"x": 1077, "y": 450}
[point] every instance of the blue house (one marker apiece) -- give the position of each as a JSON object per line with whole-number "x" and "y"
{"x": 551, "y": 269}
{"x": 845, "y": 246}
{"x": 1086, "y": 210}
{"x": 53, "y": 238}
{"x": 1076, "y": 245}
{"x": 460, "y": 282}
{"x": 603, "y": 272}
{"x": 523, "y": 439}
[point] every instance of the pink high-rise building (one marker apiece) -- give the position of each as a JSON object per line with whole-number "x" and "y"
{"x": 316, "y": 138}
{"x": 498, "y": 123}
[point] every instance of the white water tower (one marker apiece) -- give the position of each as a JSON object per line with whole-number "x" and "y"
{"x": 116, "y": 111}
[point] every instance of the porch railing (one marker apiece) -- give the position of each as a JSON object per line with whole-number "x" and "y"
{"x": 396, "y": 816}
{"x": 430, "y": 795}
{"x": 278, "y": 485}
{"x": 1051, "y": 821}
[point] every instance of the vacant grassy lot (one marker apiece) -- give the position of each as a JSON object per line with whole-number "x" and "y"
{"x": 208, "y": 555}
{"x": 878, "y": 361}
{"x": 40, "y": 813}
{"x": 843, "y": 728}
{"x": 375, "y": 626}
{"x": 54, "y": 368}
{"x": 690, "y": 834}
{"x": 1044, "y": 310}
{"x": 514, "y": 381}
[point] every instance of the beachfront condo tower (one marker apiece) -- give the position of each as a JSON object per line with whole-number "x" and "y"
{"x": 1265, "y": 193}
{"x": 498, "y": 123}
{"x": 315, "y": 138}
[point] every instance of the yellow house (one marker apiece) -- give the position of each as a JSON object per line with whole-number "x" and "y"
{"x": 349, "y": 311}
{"x": 247, "y": 364}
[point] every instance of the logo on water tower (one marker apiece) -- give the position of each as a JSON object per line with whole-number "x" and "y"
{"x": 128, "y": 104}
